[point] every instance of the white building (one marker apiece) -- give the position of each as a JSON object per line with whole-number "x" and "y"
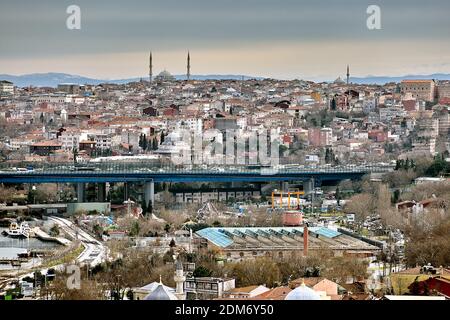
{"x": 425, "y": 147}
{"x": 50, "y": 98}
{"x": 102, "y": 140}
{"x": 6, "y": 87}
{"x": 70, "y": 139}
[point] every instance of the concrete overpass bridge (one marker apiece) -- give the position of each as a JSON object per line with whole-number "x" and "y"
{"x": 149, "y": 174}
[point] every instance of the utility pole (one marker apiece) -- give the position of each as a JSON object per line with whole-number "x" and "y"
{"x": 312, "y": 196}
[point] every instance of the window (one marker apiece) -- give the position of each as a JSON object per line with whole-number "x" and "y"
{"x": 207, "y": 286}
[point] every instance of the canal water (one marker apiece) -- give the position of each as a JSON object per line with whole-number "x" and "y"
{"x": 24, "y": 243}
{"x": 11, "y": 247}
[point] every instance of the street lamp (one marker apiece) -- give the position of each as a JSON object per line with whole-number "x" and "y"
{"x": 33, "y": 193}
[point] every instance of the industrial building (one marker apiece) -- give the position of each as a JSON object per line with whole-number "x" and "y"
{"x": 236, "y": 244}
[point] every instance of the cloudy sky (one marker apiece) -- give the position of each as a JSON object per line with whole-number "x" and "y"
{"x": 312, "y": 39}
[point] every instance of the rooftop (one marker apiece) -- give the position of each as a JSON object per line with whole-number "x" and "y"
{"x": 280, "y": 237}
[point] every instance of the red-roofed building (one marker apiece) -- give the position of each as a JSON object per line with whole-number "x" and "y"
{"x": 278, "y": 293}
{"x": 445, "y": 101}
{"x": 377, "y": 135}
{"x": 410, "y": 105}
{"x": 437, "y": 284}
{"x": 45, "y": 148}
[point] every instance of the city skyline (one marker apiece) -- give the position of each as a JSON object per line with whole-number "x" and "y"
{"x": 294, "y": 39}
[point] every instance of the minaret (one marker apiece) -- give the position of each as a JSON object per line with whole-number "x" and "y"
{"x": 188, "y": 74}
{"x": 348, "y": 75}
{"x": 348, "y": 87}
{"x": 305, "y": 240}
{"x": 150, "y": 68}
{"x": 179, "y": 280}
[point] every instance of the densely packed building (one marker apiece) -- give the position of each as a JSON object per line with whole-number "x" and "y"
{"x": 351, "y": 122}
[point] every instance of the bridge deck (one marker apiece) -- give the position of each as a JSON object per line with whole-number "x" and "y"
{"x": 133, "y": 172}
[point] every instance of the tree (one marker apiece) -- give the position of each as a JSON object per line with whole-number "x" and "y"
{"x": 98, "y": 230}
{"x": 395, "y": 196}
{"x": 144, "y": 208}
{"x": 143, "y": 142}
{"x": 217, "y": 224}
{"x": 339, "y": 269}
{"x": 140, "y": 143}
{"x": 75, "y": 155}
{"x": 201, "y": 271}
{"x": 282, "y": 149}
{"x": 54, "y": 230}
{"x": 333, "y": 104}
{"x": 428, "y": 242}
{"x": 338, "y": 195}
{"x": 135, "y": 228}
{"x": 362, "y": 205}
{"x": 89, "y": 289}
{"x": 257, "y": 271}
{"x": 327, "y": 155}
{"x": 155, "y": 144}
{"x": 438, "y": 167}
{"x": 7, "y": 194}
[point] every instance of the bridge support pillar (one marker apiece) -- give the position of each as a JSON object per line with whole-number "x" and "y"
{"x": 308, "y": 186}
{"x": 285, "y": 186}
{"x": 126, "y": 191}
{"x": 80, "y": 192}
{"x": 149, "y": 193}
{"x": 101, "y": 195}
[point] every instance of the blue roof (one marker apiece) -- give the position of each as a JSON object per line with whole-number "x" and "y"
{"x": 215, "y": 236}
{"x": 325, "y": 232}
{"x": 223, "y": 237}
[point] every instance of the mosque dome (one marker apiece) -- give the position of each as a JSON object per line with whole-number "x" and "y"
{"x": 165, "y": 76}
{"x": 339, "y": 81}
{"x": 161, "y": 293}
{"x": 302, "y": 293}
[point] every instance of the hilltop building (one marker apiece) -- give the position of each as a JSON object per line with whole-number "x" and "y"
{"x": 419, "y": 89}
{"x": 6, "y": 87}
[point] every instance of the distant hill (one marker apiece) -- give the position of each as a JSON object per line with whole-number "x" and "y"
{"x": 53, "y": 79}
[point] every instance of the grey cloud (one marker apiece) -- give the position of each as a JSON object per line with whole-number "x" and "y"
{"x": 38, "y": 27}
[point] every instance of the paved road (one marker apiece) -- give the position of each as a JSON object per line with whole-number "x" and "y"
{"x": 94, "y": 253}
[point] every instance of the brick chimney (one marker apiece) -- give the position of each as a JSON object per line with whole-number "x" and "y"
{"x": 305, "y": 240}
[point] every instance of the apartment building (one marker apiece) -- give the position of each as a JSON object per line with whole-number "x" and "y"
{"x": 419, "y": 89}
